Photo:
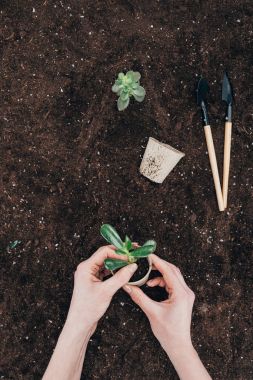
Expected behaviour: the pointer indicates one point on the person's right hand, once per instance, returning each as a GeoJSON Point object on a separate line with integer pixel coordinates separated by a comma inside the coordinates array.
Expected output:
{"type": "Point", "coordinates": [170, 320]}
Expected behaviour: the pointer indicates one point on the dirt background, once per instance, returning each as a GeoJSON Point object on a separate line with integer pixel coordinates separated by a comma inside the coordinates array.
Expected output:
{"type": "Point", "coordinates": [69, 161]}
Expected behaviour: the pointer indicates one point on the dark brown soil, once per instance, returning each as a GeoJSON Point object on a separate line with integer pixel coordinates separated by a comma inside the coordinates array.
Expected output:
{"type": "Point", "coordinates": [69, 162]}
{"type": "Point", "coordinates": [141, 271]}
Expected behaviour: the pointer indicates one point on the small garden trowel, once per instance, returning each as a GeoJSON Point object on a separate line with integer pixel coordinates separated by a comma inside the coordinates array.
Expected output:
{"type": "Point", "coordinates": [202, 91]}
{"type": "Point", "coordinates": [227, 96]}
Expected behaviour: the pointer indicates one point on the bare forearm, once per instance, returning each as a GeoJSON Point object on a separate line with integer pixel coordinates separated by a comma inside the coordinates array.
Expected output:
{"type": "Point", "coordinates": [90, 300]}
{"type": "Point", "coordinates": [67, 360]}
{"type": "Point", "coordinates": [188, 364]}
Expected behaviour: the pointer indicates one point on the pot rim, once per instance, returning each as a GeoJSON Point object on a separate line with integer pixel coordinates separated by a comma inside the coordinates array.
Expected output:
{"type": "Point", "coordinates": [167, 146]}
{"type": "Point", "coordinates": [144, 279]}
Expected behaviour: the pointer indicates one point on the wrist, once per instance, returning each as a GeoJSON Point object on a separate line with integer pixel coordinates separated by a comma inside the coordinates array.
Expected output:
{"type": "Point", "coordinates": [68, 356]}
{"type": "Point", "coordinates": [177, 346]}
{"type": "Point", "coordinates": [78, 325]}
{"type": "Point", "coordinates": [187, 363]}
{"type": "Point", "coordinates": [182, 352]}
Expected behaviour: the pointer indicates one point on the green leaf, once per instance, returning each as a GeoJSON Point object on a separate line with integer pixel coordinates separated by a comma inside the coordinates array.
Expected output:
{"type": "Point", "coordinates": [128, 81]}
{"type": "Point", "coordinates": [121, 251]}
{"type": "Point", "coordinates": [124, 96]}
{"type": "Point", "coordinates": [130, 75]}
{"type": "Point", "coordinates": [150, 242]}
{"type": "Point", "coordinates": [143, 251]}
{"type": "Point", "coordinates": [14, 244]}
{"type": "Point", "coordinates": [128, 243]}
{"type": "Point", "coordinates": [139, 98]}
{"type": "Point", "coordinates": [122, 104]}
{"type": "Point", "coordinates": [136, 76]}
{"type": "Point", "coordinates": [115, 88]}
{"type": "Point", "coordinates": [139, 91]}
{"type": "Point", "coordinates": [135, 85]}
{"type": "Point", "coordinates": [110, 234]}
{"type": "Point", "coordinates": [121, 76]}
{"type": "Point", "coordinates": [113, 264]}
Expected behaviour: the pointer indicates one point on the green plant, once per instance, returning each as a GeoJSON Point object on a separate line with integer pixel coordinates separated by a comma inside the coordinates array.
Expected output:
{"type": "Point", "coordinates": [124, 248]}
{"type": "Point", "coordinates": [127, 85]}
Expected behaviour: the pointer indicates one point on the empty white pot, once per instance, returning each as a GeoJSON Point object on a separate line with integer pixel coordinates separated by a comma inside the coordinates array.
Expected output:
{"type": "Point", "coordinates": [158, 160]}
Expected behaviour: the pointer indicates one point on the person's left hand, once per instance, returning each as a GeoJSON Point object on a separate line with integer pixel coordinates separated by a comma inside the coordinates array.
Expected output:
{"type": "Point", "coordinates": [92, 296]}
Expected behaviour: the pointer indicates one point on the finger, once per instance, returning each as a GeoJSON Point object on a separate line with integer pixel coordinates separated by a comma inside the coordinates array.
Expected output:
{"type": "Point", "coordinates": [140, 298]}
{"type": "Point", "coordinates": [120, 278]}
{"type": "Point", "coordinates": [112, 247]}
{"type": "Point", "coordinates": [159, 264]}
{"type": "Point", "coordinates": [158, 281]}
{"type": "Point", "coordinates": [106, 252]}
{"type": "Point", "coordinates": [180, 276]}
{"type": "Point", "coordinates": [170, 277]}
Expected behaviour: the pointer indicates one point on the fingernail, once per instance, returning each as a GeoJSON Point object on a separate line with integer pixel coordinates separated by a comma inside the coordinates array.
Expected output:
{"type": "Point", "coordinates": [133, 267]}
{"type": "Point", "coordinates": [127, 288]}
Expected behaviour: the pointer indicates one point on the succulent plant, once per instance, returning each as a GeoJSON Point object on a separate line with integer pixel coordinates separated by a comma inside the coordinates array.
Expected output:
{"type": "Point", "coordinates": [127, 85]}
{"type": "Point", "coordinates": [124, 248]}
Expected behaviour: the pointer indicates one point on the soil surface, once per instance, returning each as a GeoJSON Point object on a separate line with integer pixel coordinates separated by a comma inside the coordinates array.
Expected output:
{"type": "Point", "coordinates": [142, 270]}
{"type": "Point", "coordinates": [70, 162]}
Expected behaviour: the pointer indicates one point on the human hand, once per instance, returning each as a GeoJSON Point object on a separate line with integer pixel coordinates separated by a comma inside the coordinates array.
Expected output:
{"type": "Point", "coordinates": [92, 296]}
{"type": "Point", "coordinates": [170, 320]}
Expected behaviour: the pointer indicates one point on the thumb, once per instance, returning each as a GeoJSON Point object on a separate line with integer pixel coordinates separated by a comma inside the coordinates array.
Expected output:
{"type": "Point", "coordinates": [121, 278]}
{"type": "Point", "coordinates": [140, 298]}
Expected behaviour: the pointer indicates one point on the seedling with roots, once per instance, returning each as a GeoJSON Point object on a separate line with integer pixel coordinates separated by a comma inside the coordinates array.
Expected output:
{"type": "Point", "coordinates": [126, 86]}
{"type": "Point", "coordinates": [125, 248]}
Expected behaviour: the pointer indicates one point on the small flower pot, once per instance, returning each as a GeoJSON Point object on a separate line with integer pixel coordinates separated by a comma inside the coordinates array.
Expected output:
{"type": "Point", "coordinates": [159, 159]}
{"type": "Point", "coordinates": [144, 279]}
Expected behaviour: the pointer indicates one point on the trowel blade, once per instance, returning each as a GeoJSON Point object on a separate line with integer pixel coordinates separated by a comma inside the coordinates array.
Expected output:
{"type": "Point", "coordinates": [227, 94]}
{"type": "Point", "coordinates": [202, 91]}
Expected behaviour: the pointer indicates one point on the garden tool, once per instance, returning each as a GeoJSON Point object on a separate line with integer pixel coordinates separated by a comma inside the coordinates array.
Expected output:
{"type": "Point", "coordinates": [202, 91]}
{"type": "Point", "coordinates": [227, 96]}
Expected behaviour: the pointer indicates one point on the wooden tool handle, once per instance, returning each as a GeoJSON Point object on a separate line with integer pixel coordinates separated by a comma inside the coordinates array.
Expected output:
{"type": "Point", "coordinates": [214, 166]}
{"type": "Point", "coordinates": [226, 161]}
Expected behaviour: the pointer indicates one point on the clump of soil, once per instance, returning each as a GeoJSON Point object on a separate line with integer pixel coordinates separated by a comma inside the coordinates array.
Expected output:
{"type": "Point", "coordinates": [70, 162]}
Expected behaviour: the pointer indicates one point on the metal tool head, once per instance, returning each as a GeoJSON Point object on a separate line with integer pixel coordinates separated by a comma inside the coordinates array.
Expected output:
{"type": "Point", "coordinates": [227, 92]}
{"type": "Point", "coordinates": [202, 91]}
